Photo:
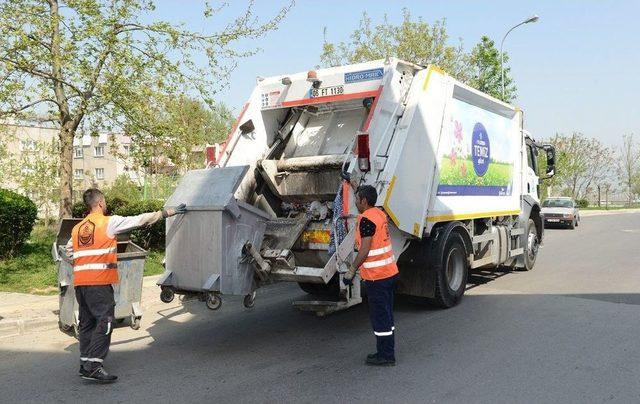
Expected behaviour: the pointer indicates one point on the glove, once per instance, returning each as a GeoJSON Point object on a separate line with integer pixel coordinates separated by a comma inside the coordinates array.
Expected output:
{"type": "Point", "coordinates": [181, 209]}
{"type": "Point", "coordinates": [347, 279]}
{"type": "Point", "coordinates": [178, 210]}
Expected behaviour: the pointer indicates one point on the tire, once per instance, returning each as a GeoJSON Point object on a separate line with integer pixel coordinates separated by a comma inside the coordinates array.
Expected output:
{"type": "Point", "coordinates": [64, 327]}
{"type": "Point", "coordinates": [573, 224]}
{"type": "Point", "coordinates": [167, 295]}
{"type": "Point", "coordinates": [451, 272]}
{"type": "Point", "coordinates": [135, 323]}
{"type": "Point", "coordinates": [578, 221]}
{"type": "Point", "coordinates": [532, 246]}
{"type": "Point", "coordinates": [249, 300]}
{"type": "Point", "coordinates": [213, 301]}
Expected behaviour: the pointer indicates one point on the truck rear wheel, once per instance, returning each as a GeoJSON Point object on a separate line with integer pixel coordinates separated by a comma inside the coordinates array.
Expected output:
{"type": "Point", "coordinates": [451, 272]}
{"type": "Point", "coordinates": [533, 244]}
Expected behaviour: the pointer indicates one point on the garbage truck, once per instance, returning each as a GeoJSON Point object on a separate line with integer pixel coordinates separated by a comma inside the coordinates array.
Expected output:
{"type": "Point", "coordinates": [455, 170]}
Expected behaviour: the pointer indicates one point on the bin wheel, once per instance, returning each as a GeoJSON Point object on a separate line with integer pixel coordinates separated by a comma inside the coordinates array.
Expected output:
{"type": "Point", "coordinates": [167, 295]}
{"type": "Point", "coordinates": [135, 323]}
{"type": "Point", "coordinates": [249, 300]}
{"type": "Point", "coordinates": [70, 330]}
{"type": "Point", "coordinates": [213, 301]}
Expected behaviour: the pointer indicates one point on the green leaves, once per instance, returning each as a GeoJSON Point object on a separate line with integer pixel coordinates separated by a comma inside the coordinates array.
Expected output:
{"type": "Point", "coordinates": [94, 62]}
{"type": "Point", "coordinates": [17, 216]}
{"type": "Point", "coordinates": [486, 74]}
{"type": "Point", "coordinates": [582, 163]}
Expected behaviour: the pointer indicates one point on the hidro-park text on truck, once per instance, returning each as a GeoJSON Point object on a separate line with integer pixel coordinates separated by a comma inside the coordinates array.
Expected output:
{"type": "Point", "coordinates": [454, 169]}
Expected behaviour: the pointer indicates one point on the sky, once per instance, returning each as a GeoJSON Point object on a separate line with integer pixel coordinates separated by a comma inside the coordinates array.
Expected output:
{"type": "Point", "coordinates": [576, 69]}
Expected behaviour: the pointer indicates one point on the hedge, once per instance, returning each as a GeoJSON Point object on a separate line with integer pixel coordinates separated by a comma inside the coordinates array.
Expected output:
{"type": "Point", "coordinates": [17, 216]}
{"type": "Point", "coordinates": [147, 237]}
{"type": "Point", "coordinates": [582, 203]}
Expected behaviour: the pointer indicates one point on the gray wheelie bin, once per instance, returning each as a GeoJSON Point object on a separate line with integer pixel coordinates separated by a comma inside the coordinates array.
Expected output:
{"type": "Point", "coordinates": [205, 247]}
{"type": "Point", "coordinates": [127, 293]}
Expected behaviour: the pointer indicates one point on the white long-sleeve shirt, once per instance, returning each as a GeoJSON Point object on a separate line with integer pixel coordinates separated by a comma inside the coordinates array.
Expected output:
{"type": "Point", "coordinates": [123, 224]}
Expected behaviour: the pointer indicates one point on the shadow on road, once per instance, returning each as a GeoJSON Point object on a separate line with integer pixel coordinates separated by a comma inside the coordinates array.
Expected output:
{"type": "Point", "coordinates": [276, 353]}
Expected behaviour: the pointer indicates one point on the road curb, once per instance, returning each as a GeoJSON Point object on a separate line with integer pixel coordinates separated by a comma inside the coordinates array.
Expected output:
{"type": "Point", "coordinates": [13, 328]}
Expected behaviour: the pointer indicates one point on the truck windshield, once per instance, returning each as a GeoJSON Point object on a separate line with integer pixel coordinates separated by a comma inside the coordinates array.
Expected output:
{"type": "Point", "coordinates": [557, 203]}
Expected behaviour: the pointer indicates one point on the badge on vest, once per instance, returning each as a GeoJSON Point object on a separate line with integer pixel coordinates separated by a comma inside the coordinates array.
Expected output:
{"type": "Point", "coordinates": [85, 234]}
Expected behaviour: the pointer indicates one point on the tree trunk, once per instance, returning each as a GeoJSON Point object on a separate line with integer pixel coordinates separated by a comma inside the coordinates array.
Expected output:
{"type": "Point", "coordinates": [67, 132]}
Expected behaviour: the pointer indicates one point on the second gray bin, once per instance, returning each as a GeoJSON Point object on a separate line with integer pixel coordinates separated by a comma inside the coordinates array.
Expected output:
{"type": "Point", "coordinates": [127, 293]}
{"type": "Point", "coordinates": [204, 247]}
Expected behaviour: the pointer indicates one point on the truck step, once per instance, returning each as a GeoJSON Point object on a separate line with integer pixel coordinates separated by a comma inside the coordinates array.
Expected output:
{"type": "Point", "coordinates": [302, 274]}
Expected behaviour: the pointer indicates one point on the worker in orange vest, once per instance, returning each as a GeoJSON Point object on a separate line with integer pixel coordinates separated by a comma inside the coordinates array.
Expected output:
{"type": "Point", "coordinates": [379, 271]}
{"type": "Point", "coordinates": [94, 246]}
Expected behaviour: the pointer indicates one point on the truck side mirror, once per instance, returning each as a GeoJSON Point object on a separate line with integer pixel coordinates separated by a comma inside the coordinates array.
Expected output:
{"type": "Point", "coordinates": [551, 159]}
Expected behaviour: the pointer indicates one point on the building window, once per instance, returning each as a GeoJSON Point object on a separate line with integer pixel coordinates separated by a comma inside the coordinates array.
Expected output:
{"type": "Point", "coordinates": [98, 151]}
{"type": "Point", "coordinates": [99, 173]}
{"type": "Point", "coordinates": [78, 153]}
{"type": "Point", "coordinates": [78, 174]}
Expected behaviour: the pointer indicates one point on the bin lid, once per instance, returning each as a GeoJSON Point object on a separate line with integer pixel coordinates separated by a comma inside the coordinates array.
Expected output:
{"type": "Point", "coordinates": [66, 226]}
{"type": "Point", "coordinates": [210, 188]}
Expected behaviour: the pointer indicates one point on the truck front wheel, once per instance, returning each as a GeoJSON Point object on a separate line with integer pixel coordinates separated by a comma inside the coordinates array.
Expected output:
{"type": "Point", "coordinates": [452, 272]}
{"type": "Point", "coordinates": [533, 244]}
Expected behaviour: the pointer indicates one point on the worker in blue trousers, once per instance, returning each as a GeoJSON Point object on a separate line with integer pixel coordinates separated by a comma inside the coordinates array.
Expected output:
{"type": "Point", "coordinates": [378, 269]}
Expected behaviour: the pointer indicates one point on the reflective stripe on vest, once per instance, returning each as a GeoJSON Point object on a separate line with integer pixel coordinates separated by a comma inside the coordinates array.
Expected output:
{"type": "Point", "coordinates": [88, 253]}
{"type": "Point", "coordinates": [380, 261]}
{"type": "Point", "coordinates": [94, 252]}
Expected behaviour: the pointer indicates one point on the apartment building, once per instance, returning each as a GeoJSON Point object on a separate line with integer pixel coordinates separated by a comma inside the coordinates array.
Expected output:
{"type": "Point", "coordinates": [99, 160]}
{"type": "Point", "coordinates": [28, 142]}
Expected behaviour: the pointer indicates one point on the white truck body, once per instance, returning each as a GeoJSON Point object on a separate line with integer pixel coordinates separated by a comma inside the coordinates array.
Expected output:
{"type": "Point", "coordinates": [446, 160]}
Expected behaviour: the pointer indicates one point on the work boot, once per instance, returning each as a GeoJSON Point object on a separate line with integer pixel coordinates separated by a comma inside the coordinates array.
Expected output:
{"type": "Point", "coordinates": [100, 375]}
{"type": "Point", "coordinates": [378, 361]}
{"type": "Point", "coordinates": [82, 372]}
{"type": "Point", "coordinates": [372, 355]}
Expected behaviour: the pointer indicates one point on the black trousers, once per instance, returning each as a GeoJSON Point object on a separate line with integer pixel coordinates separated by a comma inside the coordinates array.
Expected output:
{"type": "Point", "coordinates": [380, 297]}
{"type": "Point", "coordinates": [96, 323]}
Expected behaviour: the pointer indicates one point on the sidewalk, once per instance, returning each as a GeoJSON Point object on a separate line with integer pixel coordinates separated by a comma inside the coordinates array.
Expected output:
{"type": "Point", "coordinates": [584, 213]}
{"type": "Point", "coordinates": [21, 312]}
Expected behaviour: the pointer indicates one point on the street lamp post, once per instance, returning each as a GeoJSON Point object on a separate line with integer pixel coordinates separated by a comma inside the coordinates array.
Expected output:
{"type": "Point", "coordinates": [533, 18]}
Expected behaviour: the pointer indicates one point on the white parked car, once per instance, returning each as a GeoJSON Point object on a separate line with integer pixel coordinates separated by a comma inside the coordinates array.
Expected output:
{"type": "Point", "coordinates": [561, 211]}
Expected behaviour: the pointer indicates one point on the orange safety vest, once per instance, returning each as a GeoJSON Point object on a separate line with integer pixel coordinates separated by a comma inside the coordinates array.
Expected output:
{"type": "Point", "coordinates": [95, 255]}
{"type": "Point", "coordinates": [380, 263]}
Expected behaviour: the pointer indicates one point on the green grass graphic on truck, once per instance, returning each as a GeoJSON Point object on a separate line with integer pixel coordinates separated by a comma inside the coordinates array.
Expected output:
{"type": "Point", "coordinates": [460, 172]}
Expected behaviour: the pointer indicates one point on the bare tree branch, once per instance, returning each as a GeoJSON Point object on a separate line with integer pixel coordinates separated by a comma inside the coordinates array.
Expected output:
{"type": "Point", "coordinates": [27, 106]}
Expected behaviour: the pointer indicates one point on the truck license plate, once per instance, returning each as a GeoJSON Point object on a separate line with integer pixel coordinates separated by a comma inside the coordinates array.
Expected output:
{"type": "Point", "coordinates": [553, 220]}
{"type": "Point", "coordinates": [327, 91]}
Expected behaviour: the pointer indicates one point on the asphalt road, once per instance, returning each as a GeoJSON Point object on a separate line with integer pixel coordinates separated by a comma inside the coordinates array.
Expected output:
{"type": "Point", "coordinates": [567, 331]}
